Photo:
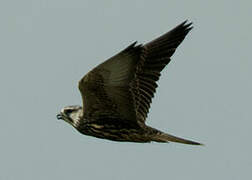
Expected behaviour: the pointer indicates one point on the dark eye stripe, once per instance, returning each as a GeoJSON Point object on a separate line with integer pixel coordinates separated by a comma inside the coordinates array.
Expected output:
{"type": "Point", "coordinates": [68, 111]}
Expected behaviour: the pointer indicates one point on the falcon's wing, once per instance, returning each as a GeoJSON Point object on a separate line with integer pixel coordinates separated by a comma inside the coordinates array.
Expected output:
{"type": "Point", "coordinates": [124, 85]}
{"type": "Point", "coordinates": [106, 89]}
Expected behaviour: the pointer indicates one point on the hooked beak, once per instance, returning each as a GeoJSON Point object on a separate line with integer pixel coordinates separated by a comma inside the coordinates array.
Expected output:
{"type": "Point", "coordinates": [59, 116]}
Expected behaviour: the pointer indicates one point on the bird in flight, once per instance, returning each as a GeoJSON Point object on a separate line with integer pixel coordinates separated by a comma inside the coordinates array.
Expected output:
{"type": "Point", "coordinates": [117, 94]}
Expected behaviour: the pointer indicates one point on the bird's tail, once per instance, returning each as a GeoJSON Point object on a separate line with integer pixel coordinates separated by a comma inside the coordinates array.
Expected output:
{"type": "Point", "coordinates": [164, 137]}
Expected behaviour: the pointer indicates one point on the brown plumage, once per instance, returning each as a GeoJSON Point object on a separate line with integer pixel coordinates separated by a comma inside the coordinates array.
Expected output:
{"type": "Point", "coordinates": [117, 93]}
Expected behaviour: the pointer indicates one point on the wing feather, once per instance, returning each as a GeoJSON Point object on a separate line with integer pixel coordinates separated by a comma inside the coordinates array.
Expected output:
{"type": "Point", "coordinates": [105, 89]}
{"type": "Point", "coordinates": [124, 85]}
{"type": "Point", "coordinates": [154, 57]}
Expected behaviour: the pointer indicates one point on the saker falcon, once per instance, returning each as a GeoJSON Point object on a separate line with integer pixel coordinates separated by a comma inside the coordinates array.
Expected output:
{"type": "Point", "coordinates": [117, 94]}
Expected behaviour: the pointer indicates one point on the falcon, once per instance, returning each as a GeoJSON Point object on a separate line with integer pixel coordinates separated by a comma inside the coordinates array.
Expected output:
{"type": "Point", "coordinates": [116, 95]}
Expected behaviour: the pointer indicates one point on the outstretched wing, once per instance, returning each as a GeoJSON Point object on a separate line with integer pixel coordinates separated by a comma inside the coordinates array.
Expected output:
{"type": "Point", "coordinates": [124, 85]}
{"type": "Point", "coordinates": [105, 89]}
{"type": "Point", "coordinates": [154, 57]}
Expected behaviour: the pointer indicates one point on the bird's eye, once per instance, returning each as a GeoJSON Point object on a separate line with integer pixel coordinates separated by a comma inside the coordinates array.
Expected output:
{"type": "Point", "coordinates": [68, 111]}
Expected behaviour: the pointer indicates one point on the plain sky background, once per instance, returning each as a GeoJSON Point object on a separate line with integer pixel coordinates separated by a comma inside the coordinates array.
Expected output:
{"type": "Point", "coordinates": [46, 46]}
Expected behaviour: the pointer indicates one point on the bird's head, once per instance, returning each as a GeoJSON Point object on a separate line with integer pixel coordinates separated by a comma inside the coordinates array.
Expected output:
{"type": "Point", "coordinates": [70, 114]}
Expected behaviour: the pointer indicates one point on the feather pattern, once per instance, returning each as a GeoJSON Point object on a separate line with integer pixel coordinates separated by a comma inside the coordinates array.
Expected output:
{"type": "Point", "coordinates": [117, 94]}
{"type": "Point", "coordinates": [123, 86]}
{"type": "Point", "coordinates": [154, 57]}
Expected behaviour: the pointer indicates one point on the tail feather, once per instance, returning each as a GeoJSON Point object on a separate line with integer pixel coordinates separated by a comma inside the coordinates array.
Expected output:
{"type": "Point", "coordinates": [164, 137]}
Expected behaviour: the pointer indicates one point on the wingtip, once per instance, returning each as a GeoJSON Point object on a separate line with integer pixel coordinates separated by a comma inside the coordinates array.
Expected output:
{"type": "Point", "coordinates": [185, 25]}
{"type": "Point", "coordinates": [188, 25]}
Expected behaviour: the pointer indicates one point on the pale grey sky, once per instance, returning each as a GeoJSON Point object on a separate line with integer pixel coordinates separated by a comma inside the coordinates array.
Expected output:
{"type": "Point", "coordinates": [204, 94]}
